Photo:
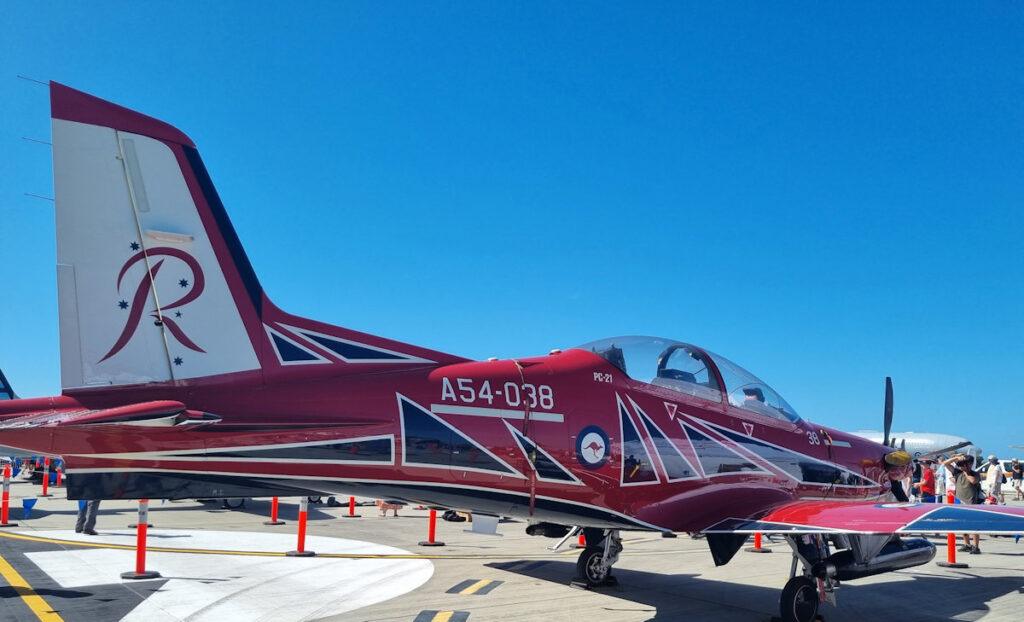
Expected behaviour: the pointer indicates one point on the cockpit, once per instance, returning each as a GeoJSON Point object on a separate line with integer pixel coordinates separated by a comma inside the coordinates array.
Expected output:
{"type": "Point", "coordinates": [694, 371]}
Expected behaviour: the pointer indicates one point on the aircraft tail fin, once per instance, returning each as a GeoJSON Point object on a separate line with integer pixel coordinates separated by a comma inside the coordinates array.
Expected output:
{"type": "Point", "coordinates": [153, 283]}
{"type": "Point", "coordinates": [6, 392]}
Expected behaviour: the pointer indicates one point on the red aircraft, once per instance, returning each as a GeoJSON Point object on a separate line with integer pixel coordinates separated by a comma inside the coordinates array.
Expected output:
{"type": "Point", "coordinates": [182, 380]}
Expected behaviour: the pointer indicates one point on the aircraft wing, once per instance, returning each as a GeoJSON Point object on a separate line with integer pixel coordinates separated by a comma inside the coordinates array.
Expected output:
{"type": "Point", "coordinates": [879, 518]}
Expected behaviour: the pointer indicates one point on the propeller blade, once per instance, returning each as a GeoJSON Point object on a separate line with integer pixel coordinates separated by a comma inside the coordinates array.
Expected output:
{"type": "Point", "coordinates": [903, 445]}
{"type": "Point", "coordinates": [887, 417]}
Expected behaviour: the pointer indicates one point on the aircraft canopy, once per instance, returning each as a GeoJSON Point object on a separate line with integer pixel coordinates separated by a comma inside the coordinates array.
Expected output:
{"type": "Point", "coordinates": [688, 369]}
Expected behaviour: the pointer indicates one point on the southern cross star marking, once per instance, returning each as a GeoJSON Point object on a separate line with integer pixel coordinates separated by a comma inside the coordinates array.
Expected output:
{"type": "Point", "coordinates": [183, 282]}
{"type": "Point", "coordinates": [177, 360]}
{"type": "Point", "coordinates": [123, 304]}
{"type": "Point", "coordinates": [177, 314]}
{"type": "Point", "coordinates": [135, 246]}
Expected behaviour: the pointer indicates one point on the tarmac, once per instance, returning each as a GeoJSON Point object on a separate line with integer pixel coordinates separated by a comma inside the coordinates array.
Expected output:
{"type": "Point", "coordinates": [221, 564]}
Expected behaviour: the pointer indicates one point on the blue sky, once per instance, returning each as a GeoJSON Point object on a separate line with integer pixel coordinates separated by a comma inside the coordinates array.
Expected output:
{"type": "Point", "coordinates": [825, 194]}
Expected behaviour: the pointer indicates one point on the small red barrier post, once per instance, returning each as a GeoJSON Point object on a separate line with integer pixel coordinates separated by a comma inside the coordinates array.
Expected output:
{"type": "Point", "coordinates": [951, 542]}
{"type": "Point", "coordinates": [4, 508]}
{"type": "Point", "coordinates": [300, 550]}
{"type": "Point", "coordinates": [273, 514]}
{"type": "Point", "coordinates": [757, 548]}
{"type": "Point", "coordinates": [581, 543]}
{"type": "Point", "coordinates": [46, 477]}
{"type": "Point", "coordinates": [431, 531]}
{"type": "Point", "coordinates": [60, 476]}
{"type": "Point", "coordinates": [351, 509]}
{"type": "Point", "coordinates": [140, 547]}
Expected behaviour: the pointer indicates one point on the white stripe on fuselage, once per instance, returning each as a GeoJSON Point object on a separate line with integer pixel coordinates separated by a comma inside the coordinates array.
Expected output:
{"type": "Point", "coordinates": [500, 413]}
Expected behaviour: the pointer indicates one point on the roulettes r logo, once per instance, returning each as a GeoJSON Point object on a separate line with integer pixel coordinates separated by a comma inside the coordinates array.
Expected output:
{"type": "Point", "coordinates": [592, 447]}
{"type": "Point", "coordinates": [142, 293]}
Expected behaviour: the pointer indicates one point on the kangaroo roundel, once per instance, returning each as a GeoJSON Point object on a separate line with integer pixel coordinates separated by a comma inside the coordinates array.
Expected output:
{"type": "Point", "coordinates": [592, 447]}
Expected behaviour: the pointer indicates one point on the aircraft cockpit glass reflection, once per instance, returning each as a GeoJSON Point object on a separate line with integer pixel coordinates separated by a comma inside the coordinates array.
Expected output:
{"type": "Point", "coordinates": [687, 369]}
{"type": "Point", "coordinates": [662, 362]}
{"type": "Point", "coordinates": [748, 392]}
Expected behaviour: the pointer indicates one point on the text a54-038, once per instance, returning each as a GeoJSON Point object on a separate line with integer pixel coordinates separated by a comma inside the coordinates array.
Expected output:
{"type": "Point", "coordinates": [512, 394]}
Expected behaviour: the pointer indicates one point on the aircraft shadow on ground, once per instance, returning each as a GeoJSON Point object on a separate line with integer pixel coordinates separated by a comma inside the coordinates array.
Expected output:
{"type": "Point", "coordinates": [18, 592]}
{"type": "Point", "coordinates": [692, 596]}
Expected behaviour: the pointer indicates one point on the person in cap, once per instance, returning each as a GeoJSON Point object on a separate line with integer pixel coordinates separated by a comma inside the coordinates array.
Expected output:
{"type": "Point", "coordinates": [994, 480]}
{"type": "Point", "coordinates": [967, 483]}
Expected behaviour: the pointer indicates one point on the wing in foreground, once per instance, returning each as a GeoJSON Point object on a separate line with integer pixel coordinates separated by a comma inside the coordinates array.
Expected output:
{"type": "Point", "coordinates": [879, 518]}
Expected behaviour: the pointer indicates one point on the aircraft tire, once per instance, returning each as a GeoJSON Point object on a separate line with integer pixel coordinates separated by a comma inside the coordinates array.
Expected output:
{"type": "Point", "coordinates": [589, 567]}
{"type": "Point", "coordinates": [799, 601]}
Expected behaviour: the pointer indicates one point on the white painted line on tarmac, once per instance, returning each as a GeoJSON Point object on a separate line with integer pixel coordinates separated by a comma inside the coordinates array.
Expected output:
{"type": "Point", "coordinates": [239, 587]}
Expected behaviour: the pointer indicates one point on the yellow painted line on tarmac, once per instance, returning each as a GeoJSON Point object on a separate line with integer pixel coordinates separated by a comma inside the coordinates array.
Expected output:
{"type": "Point", "coordinates": [443, 616]}
{"type": "Point", "coordinates": [473, 589]}
{"type": "Point", "coordinates": [639, 540]}
{"type": "Point", "coordinates": [34, 601]}
{"type": "Point", "coordinates": [161, 549]}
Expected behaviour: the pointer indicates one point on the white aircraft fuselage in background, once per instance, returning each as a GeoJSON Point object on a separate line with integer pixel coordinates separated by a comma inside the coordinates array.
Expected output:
{"type": "Point", "coordinates": [919, 444]}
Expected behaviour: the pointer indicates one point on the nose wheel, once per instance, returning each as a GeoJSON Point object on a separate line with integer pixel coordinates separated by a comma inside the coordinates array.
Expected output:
{"type": "Point", "coordinates": [799, 601]}
{"type": "Point", "coordinates": [594, 565]}
{"type": "Point", "coordinates": [591, 567]}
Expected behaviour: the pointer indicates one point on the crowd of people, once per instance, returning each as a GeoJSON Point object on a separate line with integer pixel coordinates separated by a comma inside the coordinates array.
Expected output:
{"type": "Point", "coordinates": [933, 480]}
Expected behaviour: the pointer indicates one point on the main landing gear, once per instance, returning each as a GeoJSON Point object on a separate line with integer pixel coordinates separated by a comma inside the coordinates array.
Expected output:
{"type": "Point", "coordinates": [594, 566]}
{"type": "Point", "coordinates": [799, 601]}
{"type": "Point", "coordinates": [856, 556]}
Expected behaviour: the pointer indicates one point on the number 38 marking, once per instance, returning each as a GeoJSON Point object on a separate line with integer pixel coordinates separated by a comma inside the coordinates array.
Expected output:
{"type": "Point", "coordinates": [812, 438]}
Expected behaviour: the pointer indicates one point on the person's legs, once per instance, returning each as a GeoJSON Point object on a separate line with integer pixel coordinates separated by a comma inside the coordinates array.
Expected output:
{"type": "Point", "coordinates": [91, 508]}
{"type": "Point", "coordinates": [967, 544]}
{"type": "Point", "coordinates": [80, 523]}
{"type": "Point", "coordinates": [976, 549]}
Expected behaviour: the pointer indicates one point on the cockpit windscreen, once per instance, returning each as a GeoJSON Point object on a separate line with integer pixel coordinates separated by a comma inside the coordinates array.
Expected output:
{"type": "Point", "coordinates": [662, 362]}
{"type": "Point", "coordinates": [684, 368]}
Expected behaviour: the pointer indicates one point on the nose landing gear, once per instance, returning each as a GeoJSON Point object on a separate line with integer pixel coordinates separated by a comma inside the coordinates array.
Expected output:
{"type": "Point", "coordinates": [594, 565]}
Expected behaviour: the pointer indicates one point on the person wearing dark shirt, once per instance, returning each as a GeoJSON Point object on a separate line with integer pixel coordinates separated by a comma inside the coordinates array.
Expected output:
{"type": "Point", "coordinates": [967, 484]}
{"type": "Point", "coordinates": [1016, 478]}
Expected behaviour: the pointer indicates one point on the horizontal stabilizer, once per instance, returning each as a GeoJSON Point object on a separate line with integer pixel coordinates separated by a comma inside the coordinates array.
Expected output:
{"type": "Point", "coordinates": [156, 413]}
